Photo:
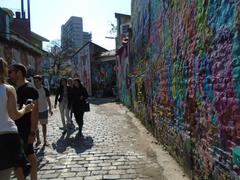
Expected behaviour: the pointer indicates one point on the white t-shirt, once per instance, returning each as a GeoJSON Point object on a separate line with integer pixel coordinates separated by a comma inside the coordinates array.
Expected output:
{"type": "Point", "coordinates": [42, 100]}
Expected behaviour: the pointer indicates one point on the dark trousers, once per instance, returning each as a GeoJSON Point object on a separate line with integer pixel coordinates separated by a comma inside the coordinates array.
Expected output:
{"type": "Point", "coordinates": [79, 119]}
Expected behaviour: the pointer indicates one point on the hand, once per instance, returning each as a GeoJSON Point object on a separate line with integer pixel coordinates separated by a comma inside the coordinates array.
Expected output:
{"type": "Point", "coordinates": [28, 108]}
{"type": "Point", "coordinates": [50, 112]}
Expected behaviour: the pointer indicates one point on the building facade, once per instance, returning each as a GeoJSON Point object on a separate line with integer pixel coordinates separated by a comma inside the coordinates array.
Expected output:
{"type": "Point", "coordinates": [17, 43]}
{"type": "Point", "coordinates": [103, 72]}
{"type": "Point", "coordinates": [82, 63]}
{"type": "Point", "coordinates": [122, 58]}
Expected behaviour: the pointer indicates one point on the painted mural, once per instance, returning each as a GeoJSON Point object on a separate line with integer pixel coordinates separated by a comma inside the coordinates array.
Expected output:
{"type": "Point", "coordinates": [103, 78]}
{"type": "Point", "coordinates": [123, 79]}
{"type": "Point", "coordinates": [185, 83]}
{"type": "Point", "coordinates": [81, 67]}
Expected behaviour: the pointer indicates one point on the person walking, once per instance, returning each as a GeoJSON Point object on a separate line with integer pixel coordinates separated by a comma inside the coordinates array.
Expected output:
{"type": "Point", "coordinates": [27, 124]}
{"type": "Point", "coordinates": [79, 96]}
{"type": "Point", "coordinates": [44, 107]}
{"type": "Point", "coordinates": [69, 110]}
{"type": "Point", "coordinates": [62, 98]}
{"type": "Point", "coordinates": [11, 149]}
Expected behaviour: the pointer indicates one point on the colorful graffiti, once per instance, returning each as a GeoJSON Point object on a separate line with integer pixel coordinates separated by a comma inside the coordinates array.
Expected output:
{"type": "Point", "coordinates": [103, 78]}
{"type": "Point", "coordinates": [185, 83]}
{"type": "Point", "coordinates": [81, 67]}
{"type": "Point", "coordinates": [123, 75]}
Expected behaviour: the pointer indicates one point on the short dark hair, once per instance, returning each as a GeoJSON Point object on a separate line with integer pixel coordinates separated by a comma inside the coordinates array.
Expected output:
{"type": "Point", "coordinates": [39, 77]}
{"type": "Point", "coordinates": [78, 80]}
{"type": "Point", "coordinates": [20, 67]}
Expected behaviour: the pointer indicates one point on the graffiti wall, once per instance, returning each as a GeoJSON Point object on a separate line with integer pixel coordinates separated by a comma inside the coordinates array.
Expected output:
{"type": "Point", "coordinates": [103, 78]}
{"type": "Point", "coordinates": [123, 79]}
{"type": "Point", "coordinates": [186, 81]}
{"type": "Point", "coordinates": [81, 67]}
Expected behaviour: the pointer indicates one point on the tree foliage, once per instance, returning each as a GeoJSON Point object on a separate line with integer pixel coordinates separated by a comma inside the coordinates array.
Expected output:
{"type": "Point", "coordinates": [60, 56]}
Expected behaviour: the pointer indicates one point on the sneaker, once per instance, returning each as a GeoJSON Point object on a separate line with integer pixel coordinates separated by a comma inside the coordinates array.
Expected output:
{"type": "Point", "coordinates": [46, 144]}
{"type": "Point", "coordinates": [80, 134]}
{"type": "Point", "coordinates": [37, 143]}
{"type": "Point", "coordinates": [26, 169]}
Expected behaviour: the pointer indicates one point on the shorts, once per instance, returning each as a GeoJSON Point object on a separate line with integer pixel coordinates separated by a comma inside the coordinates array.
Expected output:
{"type": "Point", "coordinates": [11, 151]}
{"type": "Point", "coordinates": [43, 117]}
{"type": "Point", "coordinates": [28, 148]}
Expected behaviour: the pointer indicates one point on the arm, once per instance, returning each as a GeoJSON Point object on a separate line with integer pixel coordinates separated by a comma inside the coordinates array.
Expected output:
{"type": "Point", "coordinates": [69, 97]}
{"type": "Point", "coordinates": [85, 93]}
{"type": "Point", "coordinates": [13, 112]}
{"type": "Point", "coordinates": [34, 122]}
{"type": "Point", "coordinates": [49, 105]}
{"type": "Point", "coordinates": [47, 93]}
{"type": "Point", "coordinates": [56, 97]}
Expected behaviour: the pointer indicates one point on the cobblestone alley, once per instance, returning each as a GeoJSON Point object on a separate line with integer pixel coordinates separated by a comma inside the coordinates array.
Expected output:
{"type": "Point", "coordinates": [115, 146]}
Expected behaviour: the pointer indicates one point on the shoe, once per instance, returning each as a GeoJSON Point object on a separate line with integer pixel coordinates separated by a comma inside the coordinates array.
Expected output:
{"type": "Point", "coordinates": [80, 134]}
{"type": "Point", "coordinates": [69, 126]}
{"type": "Point", "coordinates": [26, 169]}
{"type": "Point", "coordinates": [45, 144]}
{"type": "Point", "coordinates": [37, 143]}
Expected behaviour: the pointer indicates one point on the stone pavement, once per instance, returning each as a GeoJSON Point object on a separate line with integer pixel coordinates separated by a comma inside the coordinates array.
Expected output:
{"type": "Point", "coordinates": [115, 146]}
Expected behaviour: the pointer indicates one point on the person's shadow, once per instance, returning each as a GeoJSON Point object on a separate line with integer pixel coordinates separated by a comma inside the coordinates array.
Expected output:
{"type": "Point", "coordinates": [40, 157]}
{"type": "Point", "coordinates": [80, 144]}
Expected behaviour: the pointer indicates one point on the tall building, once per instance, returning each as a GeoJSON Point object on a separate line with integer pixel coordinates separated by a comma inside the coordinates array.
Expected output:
{"type": "Point", "coordinates": [86, 37]}
{"type": "Point", "coordinates": [72, 34]}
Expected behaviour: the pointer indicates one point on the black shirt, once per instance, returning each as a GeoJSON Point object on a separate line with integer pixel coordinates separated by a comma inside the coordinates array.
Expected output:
{"type": "Point", "coordinates": [24, 92]}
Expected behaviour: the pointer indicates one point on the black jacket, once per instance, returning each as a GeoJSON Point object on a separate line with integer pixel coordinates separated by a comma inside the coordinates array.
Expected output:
{"type": "Point", "coordinates": [70, 89]}
{"type": "Point", "coordinates": [77, 103]}
{"type": "Point", "coordinates": [59, 94]}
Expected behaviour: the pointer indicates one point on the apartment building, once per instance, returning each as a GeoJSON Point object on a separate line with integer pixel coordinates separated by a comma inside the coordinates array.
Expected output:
{"type": "Point", "coordinates": [72, 34]}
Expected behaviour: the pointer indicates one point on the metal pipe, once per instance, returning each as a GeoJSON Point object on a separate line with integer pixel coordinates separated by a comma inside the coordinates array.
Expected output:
{"type": "Point", "coordinates": [22, 8]}
{"type": "Point", "coordinates": [28, 3]}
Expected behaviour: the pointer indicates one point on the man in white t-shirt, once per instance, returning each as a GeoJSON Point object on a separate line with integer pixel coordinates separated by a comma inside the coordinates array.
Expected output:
{"type": "Point", "coordinates": [44, 106]}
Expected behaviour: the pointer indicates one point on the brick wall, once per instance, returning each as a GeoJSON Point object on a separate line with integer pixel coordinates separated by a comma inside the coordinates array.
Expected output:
{"type": "Point", "coordinates": [185, 82]}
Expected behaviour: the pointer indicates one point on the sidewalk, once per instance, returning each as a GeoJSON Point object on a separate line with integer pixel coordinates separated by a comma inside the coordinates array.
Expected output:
{"type": "Point", "coordinates": [115, 146]}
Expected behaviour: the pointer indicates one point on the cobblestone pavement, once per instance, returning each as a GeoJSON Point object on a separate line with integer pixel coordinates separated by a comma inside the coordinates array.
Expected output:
{"type": "Point", "coordinates": [113, 147]}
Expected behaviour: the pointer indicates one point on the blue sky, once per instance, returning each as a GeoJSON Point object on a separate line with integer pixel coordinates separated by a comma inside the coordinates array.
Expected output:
{"type": "Point", "coordinates": [47, 16]}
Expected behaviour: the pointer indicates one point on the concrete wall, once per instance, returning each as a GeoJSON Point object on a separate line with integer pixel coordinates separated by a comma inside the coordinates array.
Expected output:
{"type": "Point", "coordinates": [185, 81]}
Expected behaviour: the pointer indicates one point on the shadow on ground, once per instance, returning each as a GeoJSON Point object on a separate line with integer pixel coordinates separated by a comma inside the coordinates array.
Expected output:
{"type": "Point", "coordinates": [99, 101]}
{"type": "Point", "coordinates": [40, 156]}
{"type": "Point", "coordinates": [80, 144]}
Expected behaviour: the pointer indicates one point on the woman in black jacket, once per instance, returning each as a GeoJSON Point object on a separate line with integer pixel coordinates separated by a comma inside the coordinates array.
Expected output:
{"type": "Point", "coordinates": [79, 96]}
{"type": "Point", "coordinates": [62, 98]}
